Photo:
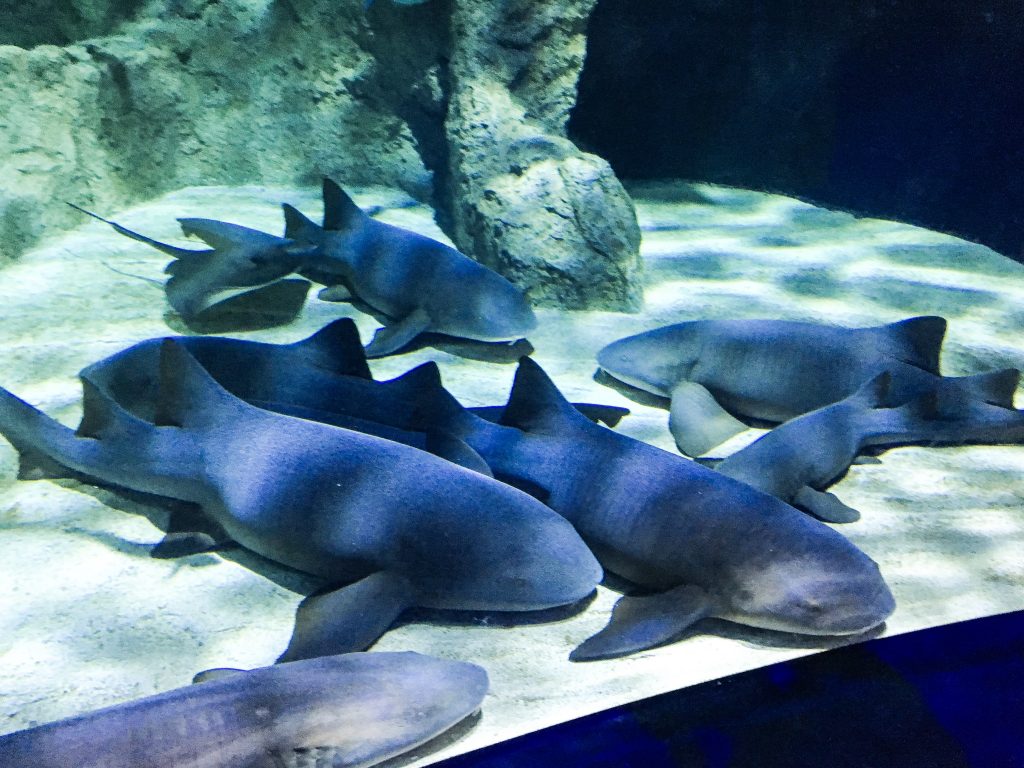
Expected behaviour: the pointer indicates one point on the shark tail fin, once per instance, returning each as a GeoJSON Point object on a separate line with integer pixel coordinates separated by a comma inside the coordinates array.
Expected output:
{"type": "Point", "coordinates": [995, 388]}
{"type": "Point", "coordinates": [874, 392]}
{"type": "Point", "coordinates": [337, 348]}
{"type": "Point", "coordinates": [916, 340]}
{"type": "Point", "coordinates": [340, 210]}
{"type": "Point", "coordinates": [189, 396]}
{"type": "Point", "coordinates": [299, 227]}
{"type": "Point", "coordinates": [170, 250]}
{"type": "Point", "coordinates": [536, 405]}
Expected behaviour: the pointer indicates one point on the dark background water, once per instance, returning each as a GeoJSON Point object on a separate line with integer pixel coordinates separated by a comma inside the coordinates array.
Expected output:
{"type": "Point", "coordinates": [946, 697]}
{"type": "Point", "coordinates": [905, 109]}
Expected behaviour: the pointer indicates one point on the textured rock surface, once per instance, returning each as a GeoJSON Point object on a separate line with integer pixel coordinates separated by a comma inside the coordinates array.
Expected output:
{"type": "Point", "coordinates": [188, 93]}
{"type": "Point", "coordinates": [524, 200]}
{"type": "Point", "coordinates": [88, 618]}
{"type": "Point", "coordinates": [144, 98]}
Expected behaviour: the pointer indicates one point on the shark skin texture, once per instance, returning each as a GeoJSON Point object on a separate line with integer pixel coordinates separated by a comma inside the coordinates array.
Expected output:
{"type": "Point", "coordinates": [389, 526]}
{"type": "Point", "coordinates": [700, 543]}
{"type": "Point", "coordinates": [355, 709]}
{"type": "Point", "coordinates": [418, 284]}
{"type": "Point", "coordinates": [715, 371]}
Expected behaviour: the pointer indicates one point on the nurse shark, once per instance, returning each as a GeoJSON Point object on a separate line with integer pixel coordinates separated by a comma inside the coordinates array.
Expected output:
{"type": "Point", "coordinates": [703, 544]}
{"type": "Point", "coordinates": [798, 459]}
{"type": "Point", "coordinates": [777, 369]}
{"type": "Point", "coordinates": [239, 257]}
{"type": "Point", "coordinates": [356, 709]}
{"type": "Point", "coordinates": [387, 525]}
{"type": "Point", "coordinates": [419, 284]}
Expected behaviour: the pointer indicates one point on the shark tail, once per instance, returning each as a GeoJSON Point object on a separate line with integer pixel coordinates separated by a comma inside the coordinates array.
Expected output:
{"type": "Point", "coordinates": [43, 441]}
{"type": "Point", "coordinates": [170, 250]}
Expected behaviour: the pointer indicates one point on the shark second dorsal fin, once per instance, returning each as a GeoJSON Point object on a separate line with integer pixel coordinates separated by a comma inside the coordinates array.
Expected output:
{"type": "Point", "coordinates": [916, 340]}
{"type": "Point", "coordinates": [188, 395]}
{"type": "Point", "coordinates": [996, 388]}
{"type": "Point", "coordinates": [337, 348]}
{"type": "Point", "coordinates": [299, 227]}
{"type": "Point", "coordinates": [340, 210]}
{"type": "Point", "coordinates": [536, 405]}
{"type": "Point", "coordinates": [873, 392]}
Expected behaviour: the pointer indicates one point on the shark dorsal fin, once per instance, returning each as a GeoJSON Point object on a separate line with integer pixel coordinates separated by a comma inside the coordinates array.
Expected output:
{"type": "Point", "coordinates": [299, 227]}
{"type": "Point", "coordinates": [340, 210]}
{"type": "Point", "coordinates": [101, 415]}
{"type": "Point", "coordinates": [917, 340]}
{"type": "Point", "coordinates": [873, 392]}
{"type": "Point", "coordinates": [189, 396]}
{"type": "Point", "coordinates": [996, 387]}
{"type": "Point", "coordinates": [536, 405]}
{"type": "Point", "coordinates": [337, 348]}
{"type": "Point", "coordinates": [422, 378]}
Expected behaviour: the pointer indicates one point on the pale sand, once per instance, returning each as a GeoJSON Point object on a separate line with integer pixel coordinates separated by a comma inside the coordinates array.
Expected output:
{"type": "Point", "coordinates": [88, 619]}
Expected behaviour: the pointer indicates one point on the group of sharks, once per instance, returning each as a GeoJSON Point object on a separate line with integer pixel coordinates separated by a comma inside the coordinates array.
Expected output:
{"type": "Point", "coordinates": [397, 496]}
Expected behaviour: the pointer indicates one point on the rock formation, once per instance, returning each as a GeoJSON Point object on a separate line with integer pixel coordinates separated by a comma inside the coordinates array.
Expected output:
{"type": "Point", "coordinates": [464, 101]}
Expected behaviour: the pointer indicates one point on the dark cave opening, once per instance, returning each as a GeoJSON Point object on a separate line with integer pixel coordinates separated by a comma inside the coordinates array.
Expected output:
{"type": "Point", "coordinates": [903, 109]}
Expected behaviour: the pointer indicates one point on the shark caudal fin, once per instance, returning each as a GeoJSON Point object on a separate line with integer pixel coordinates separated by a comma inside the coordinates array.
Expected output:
{"type": "Point", "coordinates": [916, 341]}
{"type": "Point", "coordinates": [170, 250]}
{"type": "Point", "coordinates": [340, 210]}
{"type": "Point", "coordinates": [535, 404]}
{"type": "Point", "coordinates": [188, 395]}
{"type": "Point", "coordinates": [337, 348]}
{"type": "Point", "coordinates": [299, 227]}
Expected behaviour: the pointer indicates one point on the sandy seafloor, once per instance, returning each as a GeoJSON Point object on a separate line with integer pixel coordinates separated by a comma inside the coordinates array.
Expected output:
{"type": "Point", "coordinates": [88, 619]}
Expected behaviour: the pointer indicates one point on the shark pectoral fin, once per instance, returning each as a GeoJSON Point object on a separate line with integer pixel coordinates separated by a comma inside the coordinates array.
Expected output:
{"type": "Point", "coordinates": [336, 293]}
{"type": "Point", "coordinates": [456, 451]}
{"type": "Point", "coordinates": [350, 618]}
{"type": "Point", "coordinates": [825, 506]}
{"type": "Point", "coordinates": [218, 673]}
{"type": "Point", "coordinates": [644, 622]}
{"type": "Point", "coordinates": [696, 420]}
{"type": "Point", "coordinates": [392, 338]}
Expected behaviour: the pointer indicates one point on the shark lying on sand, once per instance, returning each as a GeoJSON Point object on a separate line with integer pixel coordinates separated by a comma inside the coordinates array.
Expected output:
{"type": "Point", "coordinates": [777, 369]}
{"type": "Point", "coordinates": [703, 544]}
{"type": "Point", "coordinates": [356, 709]}
{"type": "Point", "coordinates": [420, 284]}
{"type": "Point", "coordinates": [294, 379]}
{"type": "Point", "coordinates": [238, 257]}
{"type": "Point", "coordinates": [798, 459]}
{"type": "Point", "coordinates": [398, 526]}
